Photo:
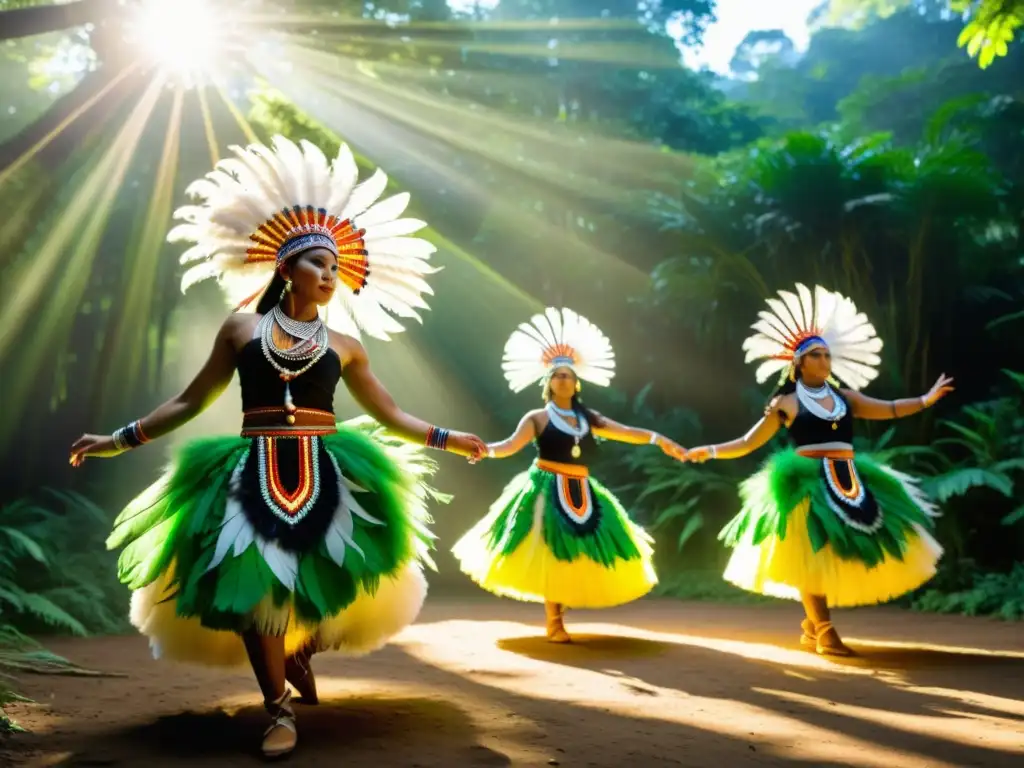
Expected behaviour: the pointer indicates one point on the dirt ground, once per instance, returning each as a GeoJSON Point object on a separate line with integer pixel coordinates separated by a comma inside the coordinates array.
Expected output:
{"type": "Point", "coordinates": [655, 683]}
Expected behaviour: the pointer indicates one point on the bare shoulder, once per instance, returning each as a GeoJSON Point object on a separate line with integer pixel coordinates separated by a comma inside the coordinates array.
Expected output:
{"type": "Point", "coordinates": [238, 328]}
{"type": "Point", "coordinates": [784, 406]}
{"type": "Point", "coordinates": [349, 348]}
{"type": "Point", "coordinates": [538, 417]}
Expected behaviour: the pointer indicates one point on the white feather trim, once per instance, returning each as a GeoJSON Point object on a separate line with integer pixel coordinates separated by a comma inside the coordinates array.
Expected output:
{"type": "Point", "coordinates": [795, 315]}
{"type": "Point", "coordinates": [243, 192]}
{"type": "Point", "coordinates": [523, 362]}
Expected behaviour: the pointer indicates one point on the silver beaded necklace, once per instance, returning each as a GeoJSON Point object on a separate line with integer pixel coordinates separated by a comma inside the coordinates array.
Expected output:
{"type": "Point", "coordinates": [809, 397]}
{"type": "Point", "coordinates": [314, 342]}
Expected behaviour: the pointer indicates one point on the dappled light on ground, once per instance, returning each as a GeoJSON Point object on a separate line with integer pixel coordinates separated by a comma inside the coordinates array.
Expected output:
{"type": "Point", "coordinates": [476, 683]}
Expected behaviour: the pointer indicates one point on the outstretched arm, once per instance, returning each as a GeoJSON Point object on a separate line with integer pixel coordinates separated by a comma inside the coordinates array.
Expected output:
{"type": "Point", "coordinates": [759, 434]}
{"type": "Point", "coordinates": [525, 432]}
{"type": "Point", "coordinates": [206, 387]}
{"type": "Point", "coordinates": [612, 430]}
{"type": "Point", "coordinates": [864, 407]}
{"type": "Point", "coordinates": [368, 391]}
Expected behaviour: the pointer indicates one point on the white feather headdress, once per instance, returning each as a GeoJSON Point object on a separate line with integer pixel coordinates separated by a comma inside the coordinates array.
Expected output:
{"type": "Point", "coordinates": [555, 339]}
{"type": "Point", "coordinates": [265, 204]}
{"type": "Point", "coordinates": [796, 323]}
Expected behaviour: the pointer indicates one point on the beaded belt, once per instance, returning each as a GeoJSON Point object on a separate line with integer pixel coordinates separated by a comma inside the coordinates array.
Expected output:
{"type": "Point", "coordinates": [569, 470]}
{"type": "Point", "coordinates": [280, 422]}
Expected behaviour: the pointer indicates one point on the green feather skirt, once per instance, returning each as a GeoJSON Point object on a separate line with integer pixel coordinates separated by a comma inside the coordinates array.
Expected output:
{"type": "Point", "coordinates": [201, 573]}
{"type": "Point", "coordinates": [552, 538]}
{"type": "Point", "coordinates": [791, 536]}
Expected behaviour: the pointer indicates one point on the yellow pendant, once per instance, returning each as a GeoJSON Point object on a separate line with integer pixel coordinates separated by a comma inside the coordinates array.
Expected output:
{"type": "Point", "coordinates": [835, 425]}
{"type": "Point", "coordinates": [576, 452]}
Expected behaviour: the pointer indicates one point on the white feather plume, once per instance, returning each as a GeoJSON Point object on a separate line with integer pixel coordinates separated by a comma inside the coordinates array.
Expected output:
{"type": "Point", "coordinates": [793, 317]}
{"type": "Point", "coordinates": [245, 191]}
{"type": "Point", "coordinates": [557, 333]}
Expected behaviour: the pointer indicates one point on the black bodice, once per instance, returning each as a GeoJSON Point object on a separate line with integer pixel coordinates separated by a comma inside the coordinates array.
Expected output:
{"type": "Point", "coordinates": [262, 386]}
{"type": "Point", "coordinates": [555, 445]}
{"type": "Point", "coordinates": [808, 429]}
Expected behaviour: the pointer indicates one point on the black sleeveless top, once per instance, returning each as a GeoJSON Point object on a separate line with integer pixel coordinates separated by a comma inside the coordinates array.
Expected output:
{"type": "Point", "coordinates": [262, 386]}
{"type": "Point", "coordinates": [808, 429]}
{"type": "Point", "coordinates": [555, 445]}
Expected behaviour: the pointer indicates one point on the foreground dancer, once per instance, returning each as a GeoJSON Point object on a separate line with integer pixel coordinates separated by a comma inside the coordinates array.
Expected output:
{"type": "Point", "coordinates": [818, 523]}
{"type": "Point", "coordinates": [300, 535]}
{"type": "Point", "coordinates": [556, 535]}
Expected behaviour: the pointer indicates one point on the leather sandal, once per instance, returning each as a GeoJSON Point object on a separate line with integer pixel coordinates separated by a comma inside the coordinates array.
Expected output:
{"type": "Point", "coordinates": [809, 638]}
{"type": "Point", "coordinates": [832, 649]}
{"type": "Point", "coordinates": [555, 624]}
{"type": "Point", "coordinates": [281, 736]}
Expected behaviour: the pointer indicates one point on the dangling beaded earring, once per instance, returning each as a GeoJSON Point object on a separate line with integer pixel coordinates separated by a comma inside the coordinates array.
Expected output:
{"type": "Point", "coordinates": [287, 288]}
{"type": "Point", "coordinates": [579, 387]}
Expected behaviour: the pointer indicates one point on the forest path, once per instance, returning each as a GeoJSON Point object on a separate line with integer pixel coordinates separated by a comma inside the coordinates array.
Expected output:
{"type": "Point", "coordinates": [655, 683]}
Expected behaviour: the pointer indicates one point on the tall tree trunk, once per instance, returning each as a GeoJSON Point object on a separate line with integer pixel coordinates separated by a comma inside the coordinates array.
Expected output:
{"type": "Point", "coordinates": [40, 19]}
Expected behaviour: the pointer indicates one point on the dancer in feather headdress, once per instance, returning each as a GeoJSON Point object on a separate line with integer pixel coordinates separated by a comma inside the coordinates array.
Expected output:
{"type": "Point", "coordinates": [556, 535]}
{"type": "Point", "coordinates": [301, 535]}
{"type": "Point", "coordinates": [818, 523]}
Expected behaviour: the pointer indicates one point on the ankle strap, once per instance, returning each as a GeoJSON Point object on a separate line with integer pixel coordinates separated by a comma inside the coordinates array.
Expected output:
{"type": "Point", "coordinates": [281, 706]}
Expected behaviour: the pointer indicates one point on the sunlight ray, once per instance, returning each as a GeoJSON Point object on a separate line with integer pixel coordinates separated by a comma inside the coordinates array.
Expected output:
{"type": "Point", "coordinates": [65, 260]}
{"type": "Point", "coordinates": [208, 129]}
{"type": "Point", "coordinates": [474, 127]}
{"type": "Point", "coordinates": [470, 649]}
{"type": "Point", "coordinates": [955, 726]}
{"type": "Point", "coordinates": [243, 124]}
{"type": "Point", "coordinates": [32, 151]}
{"type": "Point", "coordinates": [385, 144]}
{"type": "Point", "coordinates": [131, 332]}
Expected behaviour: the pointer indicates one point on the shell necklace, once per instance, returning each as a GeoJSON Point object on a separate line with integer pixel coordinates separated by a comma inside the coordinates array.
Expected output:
{"type": "Point", "coordinates": [557, 417]}
{"type": "Point", "coordinates": [313, 344]}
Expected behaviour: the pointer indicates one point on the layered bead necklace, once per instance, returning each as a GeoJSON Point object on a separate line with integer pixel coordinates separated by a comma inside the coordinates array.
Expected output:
{"type": "Point", "coordinates": [810, 399]}
{"type": "Point", "coordinates": [313, 344]}
{"type": "Point", "coordinates": [558, 417]}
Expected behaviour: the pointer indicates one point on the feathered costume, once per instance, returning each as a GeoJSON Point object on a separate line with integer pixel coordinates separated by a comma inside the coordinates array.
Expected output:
{"type": "Point", "coordinates": [300, 525]}
{"type": "Point", "coordinates": [556, 534]}
{"type": "Point", "coordinates": [817, 519]}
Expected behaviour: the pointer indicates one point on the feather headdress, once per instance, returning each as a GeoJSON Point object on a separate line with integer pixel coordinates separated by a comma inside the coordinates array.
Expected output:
{"type": "Point", "coordinates": [268, 203]}
{"type": "Point", "coordinates": [796, 323]}
{"type": "Point", "coordinates": [555, 339]}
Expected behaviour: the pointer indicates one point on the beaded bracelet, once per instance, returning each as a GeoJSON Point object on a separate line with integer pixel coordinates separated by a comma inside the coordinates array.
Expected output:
{"type": "Point", "coordinates": [437, 437]}
{"type": "Point", "coordinates": [130, 436]}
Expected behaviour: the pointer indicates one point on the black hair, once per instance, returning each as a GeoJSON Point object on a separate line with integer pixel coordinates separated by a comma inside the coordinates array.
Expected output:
{"type": "Point", "coordinates": [272, 296]}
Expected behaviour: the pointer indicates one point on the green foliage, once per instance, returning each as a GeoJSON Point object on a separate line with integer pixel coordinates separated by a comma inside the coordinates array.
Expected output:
{"type": "Point", "coordinates": [688, 584]}
{"type": "Point", "coordinates": [961, 587]}
{"type": "Point", "coordinates": [990, 27]}
{"type": "Point", "coordinates": [673, 500]}
{"type": "Point", "coordinates": [55, 576]}
{"type": "Point", "coordinates": [55, 572]}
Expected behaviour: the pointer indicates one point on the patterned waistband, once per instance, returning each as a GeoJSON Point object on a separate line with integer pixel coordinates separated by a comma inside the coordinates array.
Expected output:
{"type": "Point", "coordinates": [557, 468]}
{"type": "Point", "coordinates": [279, 422]}
{"type": "Point", "coordinates": [836, 454]}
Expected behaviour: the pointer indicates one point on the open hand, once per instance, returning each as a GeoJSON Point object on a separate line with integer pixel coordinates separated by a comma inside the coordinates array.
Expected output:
{"type": "Point", "coordinates": [99, 446]}
{"type": "Point", "coordinates": [671, 448]}
{"type": "Point", "coordinates": [941, 388]}
{"type": "Point", "coordinates": [465, 444]}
